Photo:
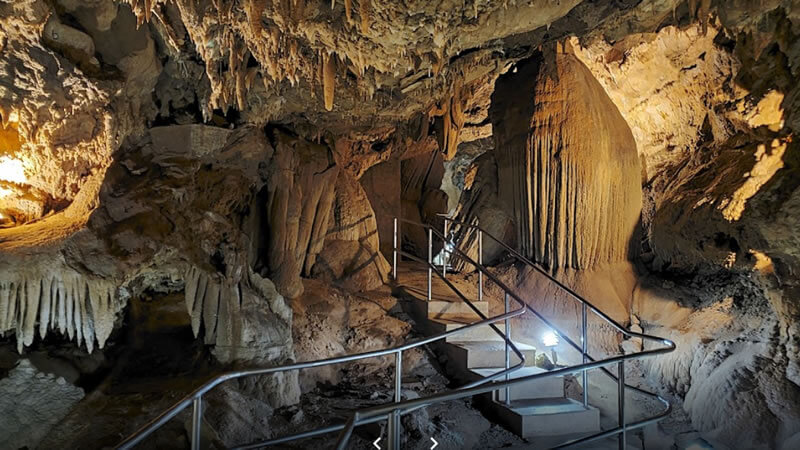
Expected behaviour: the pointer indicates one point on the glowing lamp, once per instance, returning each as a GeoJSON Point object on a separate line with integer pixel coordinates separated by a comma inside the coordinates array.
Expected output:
{"type": "Point", "coordinates": [550, 339]}
{"type": "Point", "coordinates": [699, 444]}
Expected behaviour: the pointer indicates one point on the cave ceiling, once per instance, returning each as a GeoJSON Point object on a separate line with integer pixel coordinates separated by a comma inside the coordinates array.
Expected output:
{"type": "Point", "coordinates": [376, 80]}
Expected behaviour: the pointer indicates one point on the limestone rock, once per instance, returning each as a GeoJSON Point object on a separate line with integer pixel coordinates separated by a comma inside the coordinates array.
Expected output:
{"type": "Point", "coordinates": [330, 322]}
{"type": "Point", "coordinates": [351, 254]}
{"type": "Point", "coordinates": [381, 183]}
{"type": "Point", "coordinates": [301, 193]}
{"type": "Point", "coordinates": [567, 164]}
{"type": "Point", "coordinates": [31, 402]}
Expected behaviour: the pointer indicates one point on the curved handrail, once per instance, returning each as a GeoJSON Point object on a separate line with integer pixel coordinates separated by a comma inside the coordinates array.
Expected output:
{"type": "Point", "coordinates": [151, 426]}
{"type": "Point", "coordinates": [365, 415]}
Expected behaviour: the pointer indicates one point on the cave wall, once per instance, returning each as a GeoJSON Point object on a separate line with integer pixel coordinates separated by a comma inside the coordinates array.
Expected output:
{"type": "Point", "coordinates": [381, 183]}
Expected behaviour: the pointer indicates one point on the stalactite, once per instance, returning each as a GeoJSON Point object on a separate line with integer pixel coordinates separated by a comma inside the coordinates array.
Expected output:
{"type": "Point", "coordinates": [348, 10]}
{"type": "Point", "coordinates": [328, 79]}
{"type": "Point", "coordinates": [364, 7]}
{"type": "Point", "coordinates": [211, 310]}
{"type": "Point", "coordinates": [83, 309]}
{"type": "Point", "coordinates": [215, 303]}
{"type": "Point", "coordinates": [254, 10]}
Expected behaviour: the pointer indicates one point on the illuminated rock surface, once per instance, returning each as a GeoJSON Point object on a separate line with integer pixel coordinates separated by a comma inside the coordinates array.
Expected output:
{"type": "Point", "coordinates": [238, 164]}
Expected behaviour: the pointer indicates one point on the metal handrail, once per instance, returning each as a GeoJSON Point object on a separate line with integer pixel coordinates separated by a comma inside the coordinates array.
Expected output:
{"type": "Point", "coordinates": [195, 397]}
{"type": "Point", "coordinates": [575, 296]}
{"type": "Point", "coordinates": [397, 409]}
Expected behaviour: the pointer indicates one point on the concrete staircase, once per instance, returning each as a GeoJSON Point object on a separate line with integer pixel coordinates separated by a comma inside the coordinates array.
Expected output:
{"type": "Point", "coordinates": [539, 410]}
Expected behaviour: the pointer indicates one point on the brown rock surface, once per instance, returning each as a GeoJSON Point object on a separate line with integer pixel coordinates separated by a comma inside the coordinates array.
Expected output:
{"type": "Point", "coordinates": [567, 164]}
{"type": "Point", "coordinates": [331, 322]}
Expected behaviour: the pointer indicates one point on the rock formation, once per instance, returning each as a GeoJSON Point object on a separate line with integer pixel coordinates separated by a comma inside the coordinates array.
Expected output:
{"type": "Point", "coordinates": [234, 153]}
{"type": "Point", "coordinates": [300, 197]}
{"type": "Point", "coordinates": [48, 399]}
{"type": "Point", "coordinates": [351, 255]}
{"type": "Point", "coordinates": [568, 164]}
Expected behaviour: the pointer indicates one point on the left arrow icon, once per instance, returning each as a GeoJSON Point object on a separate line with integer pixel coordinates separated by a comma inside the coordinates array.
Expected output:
{"type": "Point", "coordinates": [376, 443]}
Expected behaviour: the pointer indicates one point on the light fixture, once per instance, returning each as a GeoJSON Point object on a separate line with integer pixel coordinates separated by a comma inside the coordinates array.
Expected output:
{"type": "Point", "coordinates": [699, 444]}
{"type": "Point", "coordinates": [550, 339]}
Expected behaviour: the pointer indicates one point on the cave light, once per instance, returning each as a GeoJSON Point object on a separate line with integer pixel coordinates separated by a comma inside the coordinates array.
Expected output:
{"type": "Point", "coordinates": [550, 339]}
{"type": "Point", "coordinates": [699, 444]}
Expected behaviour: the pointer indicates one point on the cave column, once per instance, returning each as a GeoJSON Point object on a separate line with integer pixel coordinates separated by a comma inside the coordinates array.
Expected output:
{"type": "Point", "coordinates": [567, 163]}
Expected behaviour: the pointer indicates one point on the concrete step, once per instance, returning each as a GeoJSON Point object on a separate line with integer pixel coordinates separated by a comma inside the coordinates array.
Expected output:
{"type": "Point", "coordinates": [547, 418]}
{"type": "Point", "coordinates": [550, 387]}
{"type": "Point", "coordinates": [481, 333]}
{"type": "Point", "coordinates": [487, 354]}
{"type": "Point", "coordinates": [440, 309]}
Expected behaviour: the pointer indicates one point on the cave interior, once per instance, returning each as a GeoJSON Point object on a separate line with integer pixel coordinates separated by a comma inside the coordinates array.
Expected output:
{"type": "Point", "coordinates": [416, 224]}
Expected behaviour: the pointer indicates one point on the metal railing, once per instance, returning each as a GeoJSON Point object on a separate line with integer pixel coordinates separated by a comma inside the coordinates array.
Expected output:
{"type": "Point", "coordinates": [195, 398]}
{"type": "Point", "coordinates": [393, 411]}
{"type": "Point", "coordinates": [588, 362]}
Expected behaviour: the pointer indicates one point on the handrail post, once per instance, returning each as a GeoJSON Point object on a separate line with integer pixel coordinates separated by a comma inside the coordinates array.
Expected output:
{"type": "Point", "coordinates": [394, 417]}
{"type": "Point", "coordinates": [480, 261]}
{"type": "Point", "coordinates": [197, 421]}
{"type": "Point", "coordinates": [621, 395]}
{"type": "Point", "coordinates": [508, 353]}
{"type": "Point", "coordinates": [444, 250]}
{"type": "Point", "coordinates": [584, 345]}
{"type": "Point", "coordinates": [394, 251]}
{"type": "Point", "coordinates": [430, 261]}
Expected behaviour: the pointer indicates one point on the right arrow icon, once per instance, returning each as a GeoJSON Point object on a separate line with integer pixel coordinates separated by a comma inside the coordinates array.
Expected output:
{"type": "Point", "coordinates": [434, 443]}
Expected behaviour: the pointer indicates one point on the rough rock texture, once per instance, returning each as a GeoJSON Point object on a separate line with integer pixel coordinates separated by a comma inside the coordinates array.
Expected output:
{"type": "Point", "coordinates": [138, 237]}
{"type": "Point", "coordinates": [568, 164]}
{"type": "Point", "coordinates": [381, 183]}
{"type": "Point", "coordinates": [351, 255]}
{"type": "Point", "coordinates": [31, 402]}
{"type": "Point", "coordinates": [299, 200]}
{"type": "Point", "coordinates": [330, 322]}
{"type": "Point", "coordinates": [100, 192]}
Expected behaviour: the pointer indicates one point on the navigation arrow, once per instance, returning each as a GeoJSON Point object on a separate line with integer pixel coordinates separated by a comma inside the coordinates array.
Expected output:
{"type": "Point", "coordinates": [434, 443]}
{"type": "Point", "coordinates": [376, 443]}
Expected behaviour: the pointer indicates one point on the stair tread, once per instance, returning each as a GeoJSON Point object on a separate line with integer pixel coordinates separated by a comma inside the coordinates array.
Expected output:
{"type": "Point", "coordinates": [519, 373]}
{"type": "Point", "coordinates": [491, 345]}
{"type": "Point", "coordinates": [460, 320]}
{"type": "Point", "coordinates": [540, 406]}
{"type": "Point", "coordinates": [456, 300]}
